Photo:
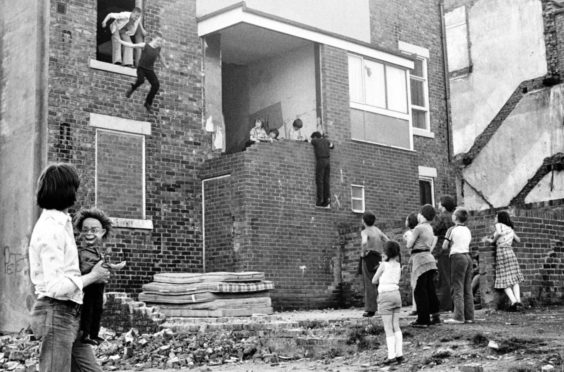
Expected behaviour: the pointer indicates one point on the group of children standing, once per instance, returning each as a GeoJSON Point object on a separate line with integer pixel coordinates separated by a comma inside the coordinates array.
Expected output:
{"type": "Point", "coordinates": [420, 240]}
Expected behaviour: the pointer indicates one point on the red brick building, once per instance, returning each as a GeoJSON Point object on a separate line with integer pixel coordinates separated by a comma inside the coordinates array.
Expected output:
{"type": "Point", "coordinates": [182, 193]}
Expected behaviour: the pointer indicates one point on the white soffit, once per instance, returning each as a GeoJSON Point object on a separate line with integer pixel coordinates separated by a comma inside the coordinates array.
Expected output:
{"type": "Point", "coordinates": [232, 16]}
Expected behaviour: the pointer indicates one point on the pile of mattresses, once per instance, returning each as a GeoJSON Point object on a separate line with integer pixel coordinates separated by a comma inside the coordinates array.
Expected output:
{"type": "Point", "coordinates": [216, 294]}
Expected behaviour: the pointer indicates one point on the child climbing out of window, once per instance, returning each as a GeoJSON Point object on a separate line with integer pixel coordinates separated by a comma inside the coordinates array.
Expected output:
{"type": "Point", "coordinates": [94, 227]}
{"type": "Point", "coordinates": [389, 300]}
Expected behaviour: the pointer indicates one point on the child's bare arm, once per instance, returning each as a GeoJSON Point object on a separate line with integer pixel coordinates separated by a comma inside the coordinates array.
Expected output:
{"type": "Point", "coordinates": [131, 45]}
{"type": "Point", "coordinates": [165, 64]}
{"type": "Point", "coordinates": [117, 266]}
{"type": "Point", "coordinates": [378, 274]}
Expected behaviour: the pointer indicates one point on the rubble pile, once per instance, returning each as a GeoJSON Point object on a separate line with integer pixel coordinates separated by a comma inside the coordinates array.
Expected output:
{"type": "Point", "coordinates": [19, 353]}
{"type": "Point", "coordinates": [216, 294]}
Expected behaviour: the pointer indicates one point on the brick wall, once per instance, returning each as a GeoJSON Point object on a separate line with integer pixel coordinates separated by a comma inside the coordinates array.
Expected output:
{"type": "Point", "coordinates": [540, 254]}
{"type": "Point", "coordinates": [419, 23]}
{"type": "Point", "coordinates": [173, 151]}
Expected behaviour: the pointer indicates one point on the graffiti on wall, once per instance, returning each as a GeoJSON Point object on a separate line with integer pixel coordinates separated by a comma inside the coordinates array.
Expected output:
{"type": "Point", "coordinates": [15, 260]}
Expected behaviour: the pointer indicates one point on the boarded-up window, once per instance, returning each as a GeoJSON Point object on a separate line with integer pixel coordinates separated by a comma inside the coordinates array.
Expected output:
{"type": "Point", "coordinates": [120, 174]}
{"type": "Point", "coordinates": [458, 46]}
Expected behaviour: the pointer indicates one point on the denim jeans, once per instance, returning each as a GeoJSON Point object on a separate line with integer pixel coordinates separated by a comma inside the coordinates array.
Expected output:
{"type": "Point", "coordinates": [461, 286]}
{"type": "Point", "coordinates": [56, 324]}
{"type": "Point", "coordinates": [370, 290]}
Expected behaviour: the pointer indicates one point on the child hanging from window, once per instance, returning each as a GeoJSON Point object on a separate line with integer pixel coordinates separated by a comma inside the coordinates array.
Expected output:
{"type": "Point", "coordinates": [94, 226]}
{"type": "Point", "coordinates": [389, 300]}
{"type": "Point", "coordinates": [146, 67]}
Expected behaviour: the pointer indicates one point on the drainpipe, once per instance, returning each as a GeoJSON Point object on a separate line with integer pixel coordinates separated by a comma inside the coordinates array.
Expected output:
{"type": "Point", "coordinates": [446, 78]}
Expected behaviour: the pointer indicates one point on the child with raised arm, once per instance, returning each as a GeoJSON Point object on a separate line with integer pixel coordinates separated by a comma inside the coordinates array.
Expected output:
{"type": "Point", "coordinates": [389, 300]}
{"type": "Point", "coordinates": [507, 271]}
{"type": "Point", "coordinates": [94, 226]}
{"type": "Point", "coordinates": [146, 67]}
{"type": "Point", "coordinates": [457, 240]}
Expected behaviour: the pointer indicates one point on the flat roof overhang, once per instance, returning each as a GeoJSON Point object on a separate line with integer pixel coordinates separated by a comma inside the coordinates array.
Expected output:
{"type": "Point", "coordinates": [224, 20]}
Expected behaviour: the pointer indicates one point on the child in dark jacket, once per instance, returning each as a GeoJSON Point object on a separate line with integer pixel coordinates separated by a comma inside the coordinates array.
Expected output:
{"type": "Point", "coordinates": [322, 147]}
{"type": "Point", "coordinates": [94, 226]}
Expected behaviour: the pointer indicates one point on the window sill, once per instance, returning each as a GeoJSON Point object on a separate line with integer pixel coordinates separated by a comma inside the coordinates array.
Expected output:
{"type": "Point", "coordinates": [117, 69]}
{"type": "Point", "coordinates": [130, 223]}
{"type": "Point", "coordinates": [382, 144]}
{"type": "Point", "coordinates": [423, 133]}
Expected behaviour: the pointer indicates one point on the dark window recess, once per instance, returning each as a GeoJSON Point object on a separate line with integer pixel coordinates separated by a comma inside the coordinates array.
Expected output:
{"type": "Point", "coordinates": [61, 8]}
{"type": "Point", "coordinates": [425, 192]}
{"type": "Point", "coordinates": [103, 35]}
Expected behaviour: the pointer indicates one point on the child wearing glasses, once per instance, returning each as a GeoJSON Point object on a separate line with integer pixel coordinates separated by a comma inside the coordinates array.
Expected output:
{"type": "Point", "coordinates": [94, 226]}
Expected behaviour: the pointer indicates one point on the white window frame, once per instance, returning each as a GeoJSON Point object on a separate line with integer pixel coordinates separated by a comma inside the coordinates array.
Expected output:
{"type": "Point", "coordinates": [362, 199]}
{"type": "Point", "coordinates": [112, 124]}
{"type": "Point", "coordinates": [428, 174]}
{"type": "Point", "coordinates": [421, 54]}
{"type": "Point", "coordinates": [362, 106]}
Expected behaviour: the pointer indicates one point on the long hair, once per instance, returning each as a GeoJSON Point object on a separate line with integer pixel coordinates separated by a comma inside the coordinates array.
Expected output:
{"type": "Point", "coordinates": [503, 217]}
{"type": "Point", "coordinates": [392, 250]}
{"type": "Point", "coordinates": [57, 186]}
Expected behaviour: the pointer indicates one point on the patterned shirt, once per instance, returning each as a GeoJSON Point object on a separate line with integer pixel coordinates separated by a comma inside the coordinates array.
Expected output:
{"type": "Point", "coordinates": [53, 258]}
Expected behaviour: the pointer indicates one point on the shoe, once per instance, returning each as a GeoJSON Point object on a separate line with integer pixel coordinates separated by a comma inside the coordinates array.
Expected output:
{"type": "Point", "coordinates": [412, 313]}
{"type": "Point", "coordinates": [512, 308]}
{"type": "Point", "coordinates": [399, 360]}
{"type": "Point", "coordinates": [117, 63]}
{"type": "Point", "coordinates": [98, 339]}
{"type": "Point", "coordinates": [469, 321]}
{"type": "Point", "coordinates": [368, 314]}
{"type": "Point", "coordinates": [88, 340]}
{"type": "Point", "coordinates": [518, 306]}
{"type": "Point", "coordinates": [435, 319]}
{"type": "Point", "coordinates": [387, 362]}
{"type": "Point", "coordinates": [128, 66]}
{"type": "Point", "coordinates": [419, 325]}
{"type": "Point", "coordinates": [453, 321]}
{"type": "Point", "coordinates": [129, 92]}
{"type": "Point", "coordinates": [148, 108]}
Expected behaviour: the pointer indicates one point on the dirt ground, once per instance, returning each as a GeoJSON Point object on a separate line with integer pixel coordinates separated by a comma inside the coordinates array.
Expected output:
{"type": "Point", "coordinates": [532, 340]}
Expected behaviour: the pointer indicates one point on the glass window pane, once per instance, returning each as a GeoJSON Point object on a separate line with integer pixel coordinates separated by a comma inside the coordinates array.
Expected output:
{"type": "Point", "coordinates": [418, 69]}
{"type": "Point", "coordinates": [357, 192]}
{"type": "Point", "coordinates": [425, 192]}
{"type": "Point", "coordinates": [418, 93]}
{"type": "Point", "coordinates": [396, 84]}
{"type": "Point", "coordinates": [355, 79]}
{"type": "Point", "coordinates": [419, 119]}
{"type": "Point", "coordinates": [357, 124]}
{"type": "Point", "coordinates": [357, 205]}
{"type": "Point", "coordinates": [374, 84]}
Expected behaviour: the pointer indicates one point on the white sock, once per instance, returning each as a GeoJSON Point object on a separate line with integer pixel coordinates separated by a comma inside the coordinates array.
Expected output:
{"type": "Point", "coordinates": [398, 338]}
{"type": "Point", "coordinates": [391, 342]}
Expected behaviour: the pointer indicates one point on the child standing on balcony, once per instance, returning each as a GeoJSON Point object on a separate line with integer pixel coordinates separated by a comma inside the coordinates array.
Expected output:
{"type": "Point", "coordinates": [507, 271]}
{"type": "Point", "coordinates": [389, 300]}
{"type": "Point", "coordinates": [94, 226]}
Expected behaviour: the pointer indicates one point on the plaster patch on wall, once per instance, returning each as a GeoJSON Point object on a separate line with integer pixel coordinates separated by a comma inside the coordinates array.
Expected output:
{"type": "Point", "coordinates": [543, 192]}
{"type": "Point", "coordinates": [532, 132]}
{"type": "Point", "coordinates": [507, 48]}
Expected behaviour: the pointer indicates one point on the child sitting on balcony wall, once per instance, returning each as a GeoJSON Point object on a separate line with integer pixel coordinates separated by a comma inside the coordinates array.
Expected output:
{"type": "Point", "coordinates": [258, 133]}
{"type": "Point", "coordinates": [296, 131]}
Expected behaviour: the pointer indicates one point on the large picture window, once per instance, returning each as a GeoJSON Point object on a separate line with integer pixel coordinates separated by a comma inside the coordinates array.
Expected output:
{"type": "Point", "coordinates": [379, 102]}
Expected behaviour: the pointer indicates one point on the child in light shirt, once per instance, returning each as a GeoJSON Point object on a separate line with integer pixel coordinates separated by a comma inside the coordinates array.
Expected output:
{"type": "Point", "coordinates": [458, 239]}
{"type": "Point", "coordinates": [389, 300]}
